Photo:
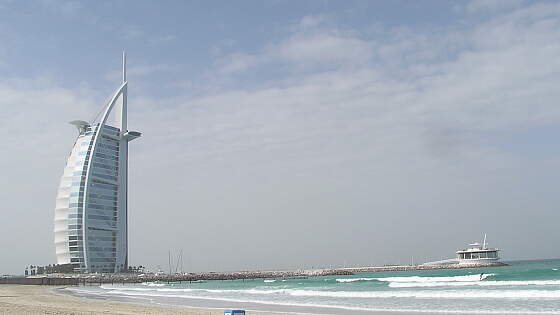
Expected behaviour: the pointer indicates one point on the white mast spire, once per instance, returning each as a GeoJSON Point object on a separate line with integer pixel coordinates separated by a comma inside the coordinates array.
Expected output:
{"type": "Point", "coordinates": [484, 243]}
{"type": "Point", "coordinates": [123, 66]}
{"type": "Point", "coordinates": [121, 111]}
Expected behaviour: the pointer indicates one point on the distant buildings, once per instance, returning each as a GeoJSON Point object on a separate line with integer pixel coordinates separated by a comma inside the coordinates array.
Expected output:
{"type": "Point", "coordinates": [50, 269]}
{"type": "Point", "coordinates": [90, 222]}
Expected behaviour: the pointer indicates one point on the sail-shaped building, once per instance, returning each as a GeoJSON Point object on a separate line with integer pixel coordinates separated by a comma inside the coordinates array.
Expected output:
{"type": "Point", "coordinates": [91, 215]}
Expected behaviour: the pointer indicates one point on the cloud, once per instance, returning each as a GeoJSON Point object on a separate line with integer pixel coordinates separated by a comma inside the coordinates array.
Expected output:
{"type": "Point", "coordinates": [312, 21]}
{"type": "Point", "coordinates": [491, 6]}
{"type": "Point", "coordinates": [477, 78]}
{"type": "Point", "coordinates": [399, 132]}
{"type": "Point", "coordinates": [331, 47]}
{"type": "Point", "coordinates": [238, 62]}
{"type": "Point", "coordinates": [437, 96]}
{"type": "Point", "coordinates": [68, 7]}
{"type": "Point", "coordinates": [163, 39]}
{"type": "Point", "coordinates": [139, 71]}
{"type": "Point", "coordinates": [130, 32]}
{"type": "Point", "coordinates": [303, 49]}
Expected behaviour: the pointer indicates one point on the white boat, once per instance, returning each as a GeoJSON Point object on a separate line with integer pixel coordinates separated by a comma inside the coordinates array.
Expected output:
{"type": "Point", "coordinates": [478, 254]}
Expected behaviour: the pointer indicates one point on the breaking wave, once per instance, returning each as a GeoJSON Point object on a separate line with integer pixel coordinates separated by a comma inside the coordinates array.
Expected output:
{"type": "Point", "coordinates": [417, 279]}
{"type": "Point", "coordinates": [455, 281]}
{"type": "Point", "coordinates": [441, 294]}
{"type": "Point", "coordinates": [153, 284]}
{"type": "Point", "coordinates": [467, 278]}
{"type": "Point", "coordinates": [475, 283]}
{"type": "Point", "coordinates": [355, 279]}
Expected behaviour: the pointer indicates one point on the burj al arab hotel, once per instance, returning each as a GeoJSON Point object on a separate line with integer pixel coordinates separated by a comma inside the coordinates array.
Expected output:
{"type": "Point", "coordinates": [91, 214]}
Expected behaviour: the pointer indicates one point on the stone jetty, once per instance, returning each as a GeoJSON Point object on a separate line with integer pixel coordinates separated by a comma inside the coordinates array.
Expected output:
{"type": "Point", "coordinates": [93, 279]}
{"type": "Point", "coordinates": [418, 267]}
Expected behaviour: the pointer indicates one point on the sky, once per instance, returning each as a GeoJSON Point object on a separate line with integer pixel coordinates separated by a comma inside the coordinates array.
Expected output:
{"type": "Point", "coordinates": [291, 134]}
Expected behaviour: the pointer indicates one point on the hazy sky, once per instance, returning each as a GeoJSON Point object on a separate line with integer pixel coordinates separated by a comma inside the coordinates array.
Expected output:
{"type": "Point", "coordinates": [284, 134]}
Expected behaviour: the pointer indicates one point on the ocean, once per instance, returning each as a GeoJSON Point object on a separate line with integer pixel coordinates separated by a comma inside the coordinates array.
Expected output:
{"type": "Point", "coordinates": [524, 287]}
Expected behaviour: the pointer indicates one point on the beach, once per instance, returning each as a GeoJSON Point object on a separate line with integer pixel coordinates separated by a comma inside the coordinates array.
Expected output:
{"type": "Point", "coordinates": [36, 299]}
{"type": "Point", "coordinates": [55, 300]}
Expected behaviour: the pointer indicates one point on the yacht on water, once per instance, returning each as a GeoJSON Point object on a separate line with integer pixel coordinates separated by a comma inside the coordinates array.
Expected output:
{"type": "Point", "coordinates": [478, 254]}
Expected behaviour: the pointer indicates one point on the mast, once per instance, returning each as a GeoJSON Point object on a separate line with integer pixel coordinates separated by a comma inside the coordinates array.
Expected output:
{"type": "Point", "coordinates": [181, 261]}
{"type": "Point", "coordinates": [124, 67]}
{"type": "Point", "coordinates": [121, 113]}
{"type": "Point", "coordinates": [484, 243]}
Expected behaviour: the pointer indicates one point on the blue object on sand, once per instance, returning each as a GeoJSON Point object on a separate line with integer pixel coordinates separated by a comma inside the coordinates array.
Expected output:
{"type": "Point", "coordinates": [232, 312]}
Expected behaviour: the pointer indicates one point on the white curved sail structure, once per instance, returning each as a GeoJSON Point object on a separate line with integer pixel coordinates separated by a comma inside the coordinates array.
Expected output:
{"type": "Point", "coordinates": [91, 214]}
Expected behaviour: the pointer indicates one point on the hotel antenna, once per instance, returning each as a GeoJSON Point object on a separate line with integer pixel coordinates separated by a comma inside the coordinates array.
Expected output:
{"type": "Point", "coordinates": [123, 66]}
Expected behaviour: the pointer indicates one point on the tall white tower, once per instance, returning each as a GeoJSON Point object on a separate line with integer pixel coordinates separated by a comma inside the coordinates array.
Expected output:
{"type": "Point", "coordinates": [91, 214]}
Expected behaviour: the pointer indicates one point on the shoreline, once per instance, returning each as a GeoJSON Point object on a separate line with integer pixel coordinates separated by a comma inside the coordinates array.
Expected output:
{"type": "Point", "coordinates": [251, 308]}
{"type": "Point", "coordinates": [37, 299]}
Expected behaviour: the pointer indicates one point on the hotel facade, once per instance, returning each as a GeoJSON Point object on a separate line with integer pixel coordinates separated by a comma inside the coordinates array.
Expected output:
{"type": "Point", "coordinates": [91, 213]}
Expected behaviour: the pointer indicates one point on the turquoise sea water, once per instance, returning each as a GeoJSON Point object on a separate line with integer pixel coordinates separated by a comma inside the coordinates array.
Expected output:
{"type": "Point", "coordinates": [524, 287]}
